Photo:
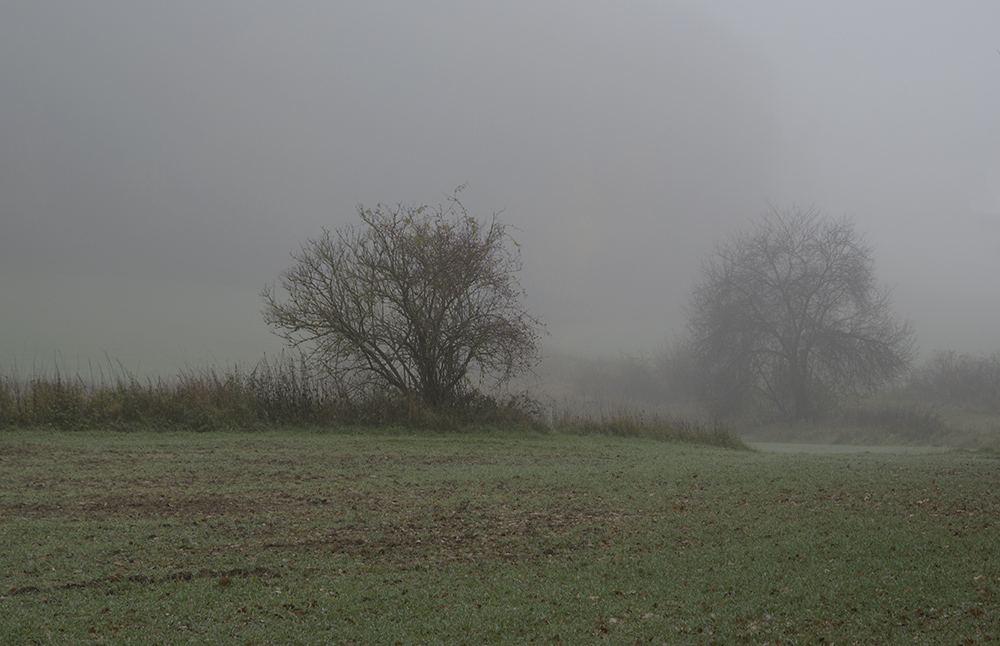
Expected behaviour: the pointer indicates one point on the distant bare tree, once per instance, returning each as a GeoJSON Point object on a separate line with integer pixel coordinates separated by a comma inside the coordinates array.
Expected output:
{"type": "Point", "coordinates": [788, 313]}
{"type": "Point", "coordinates": [413, 300]}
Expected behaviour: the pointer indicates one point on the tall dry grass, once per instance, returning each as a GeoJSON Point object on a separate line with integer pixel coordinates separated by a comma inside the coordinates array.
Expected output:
{"type": "Point", "coordinates": [282, 392]}
{"type": "Point", "coordinates": [278, 391]}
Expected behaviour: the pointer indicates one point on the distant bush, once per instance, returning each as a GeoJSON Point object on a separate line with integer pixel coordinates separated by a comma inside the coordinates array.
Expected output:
{"type": "Point", "coordinates": [662, 383]}
{"type": "Point", "coordinates": [960, 379]}
{"type": "Point", "coordinates": [899, 424]}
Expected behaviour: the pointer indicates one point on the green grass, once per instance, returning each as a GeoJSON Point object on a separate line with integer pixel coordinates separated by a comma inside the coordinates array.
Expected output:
{"type": "Point", "coordinates": [340, 538]}
{"type": "Point", "coordinates": [887, 422]}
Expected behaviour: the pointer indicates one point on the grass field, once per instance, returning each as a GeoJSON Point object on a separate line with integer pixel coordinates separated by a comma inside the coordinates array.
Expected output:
{"type": "Point", "coordinates": [332, 538]}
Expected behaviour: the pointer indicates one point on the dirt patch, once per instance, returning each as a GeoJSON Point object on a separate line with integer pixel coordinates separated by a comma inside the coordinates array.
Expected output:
{"type": "Point", "coordinates": [137, 506]}
{"type": "Point", "coordinates": [384, 524]}
{"type": "Point", "coordinates": [19, 450]}
{"type": "Point", "coordinates": [222, 576]}
{"type": "Point", "coordinates": [368, 507]}
{"type": "Point", "coordinates": [512, 535]}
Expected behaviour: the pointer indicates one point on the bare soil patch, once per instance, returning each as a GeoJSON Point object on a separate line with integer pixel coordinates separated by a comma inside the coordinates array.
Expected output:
{"type": "Point", "coordinates": [334, 504]}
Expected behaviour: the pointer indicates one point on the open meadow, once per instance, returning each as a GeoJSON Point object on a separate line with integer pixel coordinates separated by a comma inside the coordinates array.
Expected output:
{"type": "Point", "coordinates": [299, 537]}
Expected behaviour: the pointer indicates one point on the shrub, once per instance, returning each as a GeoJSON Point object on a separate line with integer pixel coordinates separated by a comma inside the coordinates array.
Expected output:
{"type": "Point", "coordinates": [900, 424]}
{"type": "Point", "coordinates": [960, 379]}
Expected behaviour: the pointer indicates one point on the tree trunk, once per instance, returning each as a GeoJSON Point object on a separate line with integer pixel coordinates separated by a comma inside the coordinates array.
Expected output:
{"type": "Point", "coordinates": [801, 400]}
{"type": "Point", "coordinates": [801, 396]}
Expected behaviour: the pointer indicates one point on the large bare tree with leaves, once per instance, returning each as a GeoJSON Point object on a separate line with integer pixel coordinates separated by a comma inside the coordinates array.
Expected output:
{"type": "Point", "coordinates": [788, 314]}
{"type": "Point", "coordinates": [415, 300]}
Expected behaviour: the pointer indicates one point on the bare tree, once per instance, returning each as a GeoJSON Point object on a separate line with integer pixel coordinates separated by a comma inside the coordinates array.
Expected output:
{"type": "Point", "coordinates": [788, 312]}
{"type": "Point", "coordinates": [414, 300]}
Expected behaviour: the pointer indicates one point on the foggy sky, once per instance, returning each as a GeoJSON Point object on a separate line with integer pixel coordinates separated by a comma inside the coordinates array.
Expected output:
{"type": "Point", "coordinates": [159, 161]}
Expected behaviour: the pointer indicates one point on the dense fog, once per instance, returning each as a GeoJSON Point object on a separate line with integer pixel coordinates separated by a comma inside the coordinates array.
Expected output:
{"type": "Point", "coordinates": [159, 161]}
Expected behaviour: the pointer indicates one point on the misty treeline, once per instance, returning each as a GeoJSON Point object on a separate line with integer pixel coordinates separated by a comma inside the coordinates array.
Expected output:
{"type": "Point", "coordinates": [424, 304]}
{"type": "Point", "coordinates": [670, 381]}
{"type": "Point", "coordinates": [415, 318]}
